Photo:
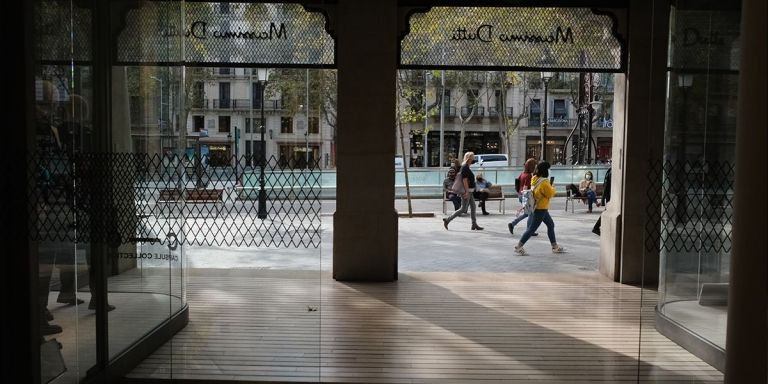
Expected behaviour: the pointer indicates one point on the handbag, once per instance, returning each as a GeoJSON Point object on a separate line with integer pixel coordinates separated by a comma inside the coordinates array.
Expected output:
{"type": "Point", "coordinates": [458, 185]}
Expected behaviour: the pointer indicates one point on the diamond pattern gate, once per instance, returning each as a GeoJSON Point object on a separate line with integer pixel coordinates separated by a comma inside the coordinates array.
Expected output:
{"type": "Point", "coordinates": [692, 202]}
{"type": "Point", "coordinates": [175, 201]}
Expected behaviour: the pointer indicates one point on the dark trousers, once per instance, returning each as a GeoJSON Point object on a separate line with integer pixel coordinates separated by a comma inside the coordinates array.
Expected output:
{"type": "Point", "coordinates": [596, 228]}
{"type": "Point", "coordinates": [455, 199]}
{"type": "Point", "coordinates": [482, 196]}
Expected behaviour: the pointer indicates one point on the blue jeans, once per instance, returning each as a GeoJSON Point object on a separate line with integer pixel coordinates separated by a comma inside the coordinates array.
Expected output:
{"type": "Point", "coordinates": [455, 199]}
{"type": "Point", "coordinates": [539, 216]}
{"type": "Point", "coordinates": [591, 198]}
{"type": "Point", "coordinates": [523, 216]}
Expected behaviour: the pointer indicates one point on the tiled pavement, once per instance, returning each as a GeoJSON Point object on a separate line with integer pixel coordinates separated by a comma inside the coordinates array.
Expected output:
{"type": "Point", "coordinates": [425, 246]}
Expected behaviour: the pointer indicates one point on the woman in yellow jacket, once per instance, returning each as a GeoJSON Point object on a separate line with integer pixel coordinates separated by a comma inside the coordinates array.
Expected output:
{"type": "Point", "coordinates": [543, 191]}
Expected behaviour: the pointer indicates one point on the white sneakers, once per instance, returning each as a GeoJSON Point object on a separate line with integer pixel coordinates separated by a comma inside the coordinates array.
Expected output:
{"type": "Point", "coordinates": [520, 251]}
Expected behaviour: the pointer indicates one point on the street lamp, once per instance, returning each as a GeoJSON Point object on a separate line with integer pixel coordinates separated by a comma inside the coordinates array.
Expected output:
{"type": "Point", "coordinates": [545, 77]}
{"type": "Point", "coordinates": [263, 75]}
{"type": "Point", "coordinates": [160, 119]}
{"type": "Point", "coordinates": [237, 154]}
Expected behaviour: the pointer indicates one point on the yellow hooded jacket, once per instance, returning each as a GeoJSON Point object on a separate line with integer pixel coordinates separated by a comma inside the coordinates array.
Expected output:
{"type": "Point", "coordinates": [543, 192]}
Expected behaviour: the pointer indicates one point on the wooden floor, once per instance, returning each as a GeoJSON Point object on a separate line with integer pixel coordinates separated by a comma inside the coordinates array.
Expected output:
{"type": "Point", "coordinates": [425, 328]}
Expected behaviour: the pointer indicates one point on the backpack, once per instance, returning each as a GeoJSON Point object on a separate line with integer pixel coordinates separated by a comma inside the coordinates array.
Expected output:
{"type": "Point", "coordinates": [526, 197]}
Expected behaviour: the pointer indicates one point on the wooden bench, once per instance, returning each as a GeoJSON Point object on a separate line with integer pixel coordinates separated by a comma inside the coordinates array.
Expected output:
{"type": "Point", "coordinates": [572, 199]}
{"type": "Point", "coordinates": [192, 196]}
{"type": "Point", "coordinates": [495, 193]}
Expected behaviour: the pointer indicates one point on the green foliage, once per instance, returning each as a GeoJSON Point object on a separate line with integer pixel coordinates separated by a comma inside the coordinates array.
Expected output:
{"type": "Point", "coordinates": [291, 85]}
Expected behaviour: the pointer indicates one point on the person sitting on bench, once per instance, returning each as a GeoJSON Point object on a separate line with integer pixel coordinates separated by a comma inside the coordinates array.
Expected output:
{"type": "Point", "coordinates": [448, 183]}
{"type": "Point", "coordinates": [585, 190]}
{"type": "Point", "coordinates": [481, 191]}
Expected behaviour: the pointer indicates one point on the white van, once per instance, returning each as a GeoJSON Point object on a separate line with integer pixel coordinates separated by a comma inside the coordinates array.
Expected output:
{"type": "Point", "coordinates": [492, 160]}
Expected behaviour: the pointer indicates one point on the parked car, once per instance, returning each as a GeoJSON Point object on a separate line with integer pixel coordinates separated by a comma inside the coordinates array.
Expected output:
{"type": "Point", "coordinates": [492, 160]}
{"type": "Point", "coordinates": [399, 161]}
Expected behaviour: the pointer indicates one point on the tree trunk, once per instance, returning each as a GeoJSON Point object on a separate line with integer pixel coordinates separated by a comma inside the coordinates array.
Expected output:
{"type": "Point", "coordinates": [405, 170]}
{"type": "Point", "coordinates": [402, 148]}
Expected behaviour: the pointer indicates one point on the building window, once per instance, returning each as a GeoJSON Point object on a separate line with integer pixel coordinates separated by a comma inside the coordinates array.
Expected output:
{"type": "Point", "coordinates": [534, 119]}
{"type": "Point", "coordinates": [555, 149]}
{"type": "Point", "coordinates": [198, 123]}
{"type": "Point", "coordinates": [298, 155]}
{"type": "Point", "coordinates": [314, 124]}
{"type": "Point", "coordinates": [286, 124]}
{"type": "Point", "coordinates": [604, 145]}
{"type": "Point", "coordinates": [447, 100]}
{"type": "Point", "coordinates": [475, 141]}
{"type": "Point", "coordinates": [472, 96]}
{"type": "Point", "coordinates": [224, 95]}
{"type": "Point", "coordinates": [248, 128]}
{"type": "Point", "coordinates": [224, 71]}
{"type": "Point", "coordinates": [256, 95]}
{"type": "Point", "coordinates": [559, 111]}
{"type": "Point", "coordinates": [224, 123]}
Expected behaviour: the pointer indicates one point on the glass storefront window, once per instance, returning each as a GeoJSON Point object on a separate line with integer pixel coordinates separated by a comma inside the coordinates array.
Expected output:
{"type": "Point", "coordinates": [697, 176]}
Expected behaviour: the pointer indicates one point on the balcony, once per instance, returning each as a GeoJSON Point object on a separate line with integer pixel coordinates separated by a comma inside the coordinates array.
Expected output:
{"type": "Point", "coordinates": [224, 72]}
{"type": "Point", "coordinates": [494, 111]}
{"type": "Point", "coordinates": [479, 112]}
{"type": "Point", "coordinates": [240, 104]}
{"type": "Point", "coordinates": [222, 103]}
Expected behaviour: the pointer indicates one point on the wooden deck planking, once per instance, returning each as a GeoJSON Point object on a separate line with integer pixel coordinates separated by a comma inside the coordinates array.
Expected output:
{"type": "Point", "coordinates": [503, 329]}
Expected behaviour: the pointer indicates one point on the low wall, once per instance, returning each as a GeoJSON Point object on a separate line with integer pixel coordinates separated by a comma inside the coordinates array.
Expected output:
{"type": "Point", "coordinates": [424, 182]}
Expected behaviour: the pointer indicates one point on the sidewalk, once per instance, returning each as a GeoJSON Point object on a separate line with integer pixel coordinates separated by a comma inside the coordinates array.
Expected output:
{"type": "Point", "coordinates": [425, 246]}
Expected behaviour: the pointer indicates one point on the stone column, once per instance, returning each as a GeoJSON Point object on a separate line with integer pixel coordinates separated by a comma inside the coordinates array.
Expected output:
{"type": "Point", "coordinates": [643, 138]}
{"type": "Point", "coordinates": [365, 221]}
{"type": "Point", "coordinates": [746, 337]}
{"type": "Point", "coordinates": [609, 263]}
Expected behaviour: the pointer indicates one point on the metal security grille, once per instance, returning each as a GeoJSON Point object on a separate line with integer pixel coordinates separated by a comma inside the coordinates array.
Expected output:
{"type": "Point", "coordinates": [224, 33]}
{"type": "Point", "coordinates": [692, 202]}
{"type": "Point", "coordinates": [62, 32]}
{"type": "Point", "coordinates": [526, 38]}
{"type": "Point", "coordinates": [119, 198]}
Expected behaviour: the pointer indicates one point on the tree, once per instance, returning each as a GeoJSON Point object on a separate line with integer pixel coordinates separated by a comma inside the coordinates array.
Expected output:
{"type": "Point", "coordinates": [293, 86]}
{"type": "Point", "coordinates": [465, 83]}
{"type": "Point", "coordinates": [409, 109]}
{"type": "Point", "coordinates": [521, 81]}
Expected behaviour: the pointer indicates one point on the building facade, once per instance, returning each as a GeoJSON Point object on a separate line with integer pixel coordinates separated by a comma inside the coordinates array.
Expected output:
{"type": "Point", "coordinates": [511, 120]}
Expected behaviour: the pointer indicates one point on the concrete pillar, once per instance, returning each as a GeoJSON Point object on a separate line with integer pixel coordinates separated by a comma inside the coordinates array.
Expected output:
{"type": "Point", "coordinates": [610, 222]}
{"type": "Point", "coordinates": [746, 357]}
{"type": "Point", "coordinates": [365, 221]}
{"type": "Point", "coordinates": [643, 135]}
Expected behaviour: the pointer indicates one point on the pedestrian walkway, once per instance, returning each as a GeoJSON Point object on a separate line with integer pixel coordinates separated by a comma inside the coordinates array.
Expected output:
{"type": "Point", "coordinates": [425, 246]}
